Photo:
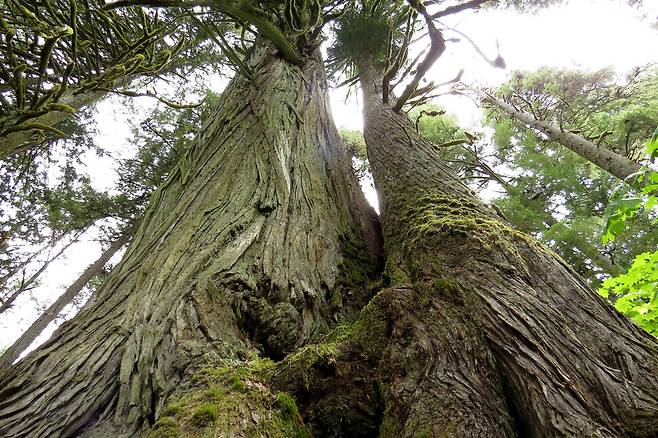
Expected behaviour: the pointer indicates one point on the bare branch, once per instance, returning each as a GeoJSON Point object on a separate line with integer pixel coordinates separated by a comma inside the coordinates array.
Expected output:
{"type": "Point", "coordinates": [459, 8]}
{"type": "Point", "coordinates": [437, 47]}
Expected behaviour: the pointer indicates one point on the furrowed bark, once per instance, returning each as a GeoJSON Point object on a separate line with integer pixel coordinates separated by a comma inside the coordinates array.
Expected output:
{"type": "Point", "coordinates": [613, 163]}
{"type": "Point", "coordinates": [12, 353]}
{"type": "Point", "coordinates": [242, 249]}
{"type": "Point", "coordinates": [510, 324]}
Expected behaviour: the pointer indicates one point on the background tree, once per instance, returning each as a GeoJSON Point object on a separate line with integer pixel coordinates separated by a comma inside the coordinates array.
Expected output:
{"type": "Point", "coordinates": [138, 178]}
{"type": "Point", "coordinates": [549, 182]}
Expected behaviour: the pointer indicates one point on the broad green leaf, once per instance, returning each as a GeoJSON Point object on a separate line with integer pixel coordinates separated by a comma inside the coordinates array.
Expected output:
{"type": "Point", "coordinates": [637, 291]}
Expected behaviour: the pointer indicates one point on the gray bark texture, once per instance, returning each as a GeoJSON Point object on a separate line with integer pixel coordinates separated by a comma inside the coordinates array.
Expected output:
{"type": "Point", "coordinates": [613, 163]}
{"type": "Point", "coordinates": [508, 340]}
{"type": "Point", "coordinates": [241, 250]}
{"type": "Point", "coordinates": [476, 330]}
{"type": "Point", "coordinates": [25, 340]}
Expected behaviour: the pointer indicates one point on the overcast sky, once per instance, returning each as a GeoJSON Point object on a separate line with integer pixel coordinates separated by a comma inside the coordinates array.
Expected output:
{"type": "Point", "coordinates": [585, 34]}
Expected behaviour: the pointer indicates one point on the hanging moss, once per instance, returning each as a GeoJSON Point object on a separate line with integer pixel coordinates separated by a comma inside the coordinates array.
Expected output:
{"type": "Point", "coordinates": [165, 427]}
{"type": "Point", "coordinates": [204, 415]}
{"type": "Point", "coordinates": [358, 266]}
{"type": "Point", "coordinates": [395, 275]}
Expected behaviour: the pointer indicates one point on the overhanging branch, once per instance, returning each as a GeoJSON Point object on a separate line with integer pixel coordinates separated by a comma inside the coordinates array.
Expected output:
{"type": "Point", "coordinates": [459, 8]}
{"type": "Point", "coordinates": [437, 47]}
{"type": "Point", "coordinates": [244, 11]}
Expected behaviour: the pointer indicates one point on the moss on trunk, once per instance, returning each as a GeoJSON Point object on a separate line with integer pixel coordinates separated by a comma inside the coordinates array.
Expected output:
{"type": "Point", "coordinates": [497, 335]}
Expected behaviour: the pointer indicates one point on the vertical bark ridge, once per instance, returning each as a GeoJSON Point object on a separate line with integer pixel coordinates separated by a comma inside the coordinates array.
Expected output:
{"type": "Point", "coordinates": [568, 364]}
{"type": "Point", "coordinates": [239, 250]}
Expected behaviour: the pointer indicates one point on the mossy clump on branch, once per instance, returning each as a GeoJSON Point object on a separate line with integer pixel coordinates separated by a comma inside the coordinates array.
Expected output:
{"type": "Point", "coordinates": [360, 36]}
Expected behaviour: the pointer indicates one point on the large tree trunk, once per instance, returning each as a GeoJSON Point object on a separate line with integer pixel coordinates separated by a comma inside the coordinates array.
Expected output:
{"type": "Point", "coordinates": [25, 340]}
{"type": "Point", "coordinates": [507, 340]}
{"type": "Point", "coordinates": [245, 247]}
{"type": "Point", "coordinates": [613, 163]}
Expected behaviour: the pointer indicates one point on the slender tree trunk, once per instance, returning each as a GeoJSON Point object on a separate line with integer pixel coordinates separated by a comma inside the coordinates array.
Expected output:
{"type": "Point", "coordinates": [615, 164]}
{"type": "Point", "coordinates": [27, 284]}
{"type": "Point", "coordinates": [495, 335]}
{"type": "Point", "coordinates": [243, 249]}
{"type": "Point", "coordinates": [12, 353]}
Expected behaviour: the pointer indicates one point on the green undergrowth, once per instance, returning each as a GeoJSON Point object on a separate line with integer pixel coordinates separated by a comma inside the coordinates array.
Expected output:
{"type": "Point", "coordinates": [230, 401]}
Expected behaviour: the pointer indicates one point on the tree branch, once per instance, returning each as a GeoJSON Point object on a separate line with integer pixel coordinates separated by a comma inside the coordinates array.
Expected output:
{"type": "Point", "coordinates": [459, 8]}
{"type": "Point", "coordinates": [437, 47]}
{"type": "Point", "coordinates": [245, 11]}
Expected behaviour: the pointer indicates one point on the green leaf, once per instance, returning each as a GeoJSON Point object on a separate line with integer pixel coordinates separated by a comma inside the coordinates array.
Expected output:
{"type": "Point", "coordinates": [637, 291]}
{"type": "Point", "coordinates": [652, 145]}
{"type": "Point", "coordinates": [624, 209]}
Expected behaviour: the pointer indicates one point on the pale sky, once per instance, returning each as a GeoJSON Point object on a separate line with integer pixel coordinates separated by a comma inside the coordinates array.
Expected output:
{"type": "Point", "coordinates": [585, 34]}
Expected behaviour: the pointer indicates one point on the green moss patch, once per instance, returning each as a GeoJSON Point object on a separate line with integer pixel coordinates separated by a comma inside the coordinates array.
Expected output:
{"type": "Point", "coordinates": [230, 401]}
{"type": "Point", "coordinates": [436, 219]}
{"type": "Point", "coordinates": [368, 335]}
